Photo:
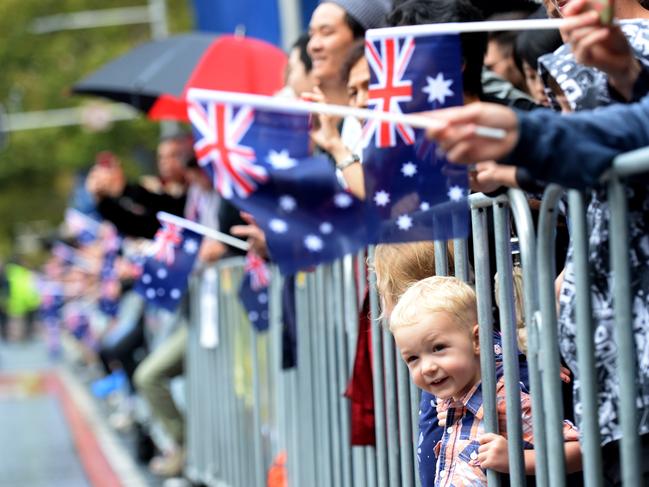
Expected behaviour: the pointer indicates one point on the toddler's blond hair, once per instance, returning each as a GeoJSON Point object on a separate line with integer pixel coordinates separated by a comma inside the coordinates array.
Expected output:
{"type": "Point", "coordinates": [434, 295]}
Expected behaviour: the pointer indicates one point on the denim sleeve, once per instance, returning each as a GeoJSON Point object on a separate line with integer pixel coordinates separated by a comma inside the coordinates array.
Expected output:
{"type": "Point", "coordinates": [575, 150]}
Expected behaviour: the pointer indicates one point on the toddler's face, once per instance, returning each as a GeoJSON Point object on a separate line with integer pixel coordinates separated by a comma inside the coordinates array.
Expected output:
{"type": "Point", "coordinates": [443, 356]}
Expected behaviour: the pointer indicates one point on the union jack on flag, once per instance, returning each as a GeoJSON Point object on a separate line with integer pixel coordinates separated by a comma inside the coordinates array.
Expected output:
{"type": "Point", "coordinates": [166, 270]}
{"type": "Point", "coordinates": [296, 198]}
{"type": "Point", "coordinates": [258, 270]}
{"type": "Point", "coordinates": [389, 63]}
{"type": "Point", "coordinates": [413, 193]}
{"type": "Point", "coordinates": [253, 291]}
{"type": "Point", "coordinates": [219, 129]}
{"type": "Point", "coordinates": [167, 239]}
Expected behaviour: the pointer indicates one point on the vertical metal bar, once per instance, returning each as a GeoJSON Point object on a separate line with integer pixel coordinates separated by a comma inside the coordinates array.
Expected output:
{"type": "Point", "coordinates": [485, 319]}
{"type": "Point", "coordinates": [415, 399]}
{"type": "Point", "coordinates": [305, 393]}
{"type": "Point", "coordinates": [441, 258]}
{"type": "Point", "coordinates": [589, 425]}
{"type": "Point", "coordinates": [350, 296]}
{"type": "Point", "coordinates": [336, 388]}
{"type": "Point", "coordinates": [377, 378]}
{"type": "Point", "coordinates": [391, 411]}
{"type": "Point", "coordinates": [626, 348]}
{"type": "Point", "coordinates": [553, 405]}
{"type": "Point", "coordinates": [509, 343]}
{"type": "Point", "coordinates": [258, 455]}
{"type": "Point", "coordinates": [228, 384]}
{"type": "Point", "coordinates": [343, 273]}
{"type": "Point", "coordinates": [527, 241]}
{"type": "Point", "coordinates": [461, 259]}
{"type": "Point", "coordinates": [406, 442]}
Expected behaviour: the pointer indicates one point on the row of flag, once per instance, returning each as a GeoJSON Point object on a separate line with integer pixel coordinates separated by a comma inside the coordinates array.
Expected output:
{"type": "Point", "coordinates": [262, 162]}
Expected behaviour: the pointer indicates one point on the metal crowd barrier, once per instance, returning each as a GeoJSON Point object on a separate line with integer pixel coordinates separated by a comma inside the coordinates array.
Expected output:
{"type": "Point", "coordinates": [243, 409]}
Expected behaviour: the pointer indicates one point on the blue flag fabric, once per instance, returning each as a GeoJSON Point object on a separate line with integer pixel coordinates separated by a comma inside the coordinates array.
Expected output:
{"type": "Point", "coordinates": [253, 291]}
{"type": "Point", "coordinates": [110, 289]}
{"type": "Point", "coordinates": [84, 228]}
{"type": "Point", "coordinates": [259, 160]}
{"type": "Point", "coordinates": [413, 193]}
{"type": "Point", "coordinates": [166, 269]}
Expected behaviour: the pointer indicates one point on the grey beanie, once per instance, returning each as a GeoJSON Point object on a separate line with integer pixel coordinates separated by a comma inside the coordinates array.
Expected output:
{"type": "Point", "coordinates": [371, 14]}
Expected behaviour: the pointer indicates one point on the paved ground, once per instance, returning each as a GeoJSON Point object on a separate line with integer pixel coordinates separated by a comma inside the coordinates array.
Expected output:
{"type": "Point", "coordinates": [47, 418]}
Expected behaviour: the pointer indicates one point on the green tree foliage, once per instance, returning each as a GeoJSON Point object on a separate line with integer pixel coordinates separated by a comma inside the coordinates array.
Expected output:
{"type": "Point", "coordinates": [37, 71]}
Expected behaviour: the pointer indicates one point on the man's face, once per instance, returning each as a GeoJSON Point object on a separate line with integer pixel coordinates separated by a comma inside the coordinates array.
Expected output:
{"type": "Point", "coordinates": [296, 76]}
{"type": "Point", "coordinates": [330, 40]}
{"type": "Point", "coordinates": [499, 59]}
{"type": "Point", "coordinates": [358, 84]}
{"type": "Point", "coordinates": [171, 160]}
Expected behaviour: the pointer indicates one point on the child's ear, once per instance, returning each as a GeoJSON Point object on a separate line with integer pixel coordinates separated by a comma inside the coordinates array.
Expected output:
{"type": "Point", "coordinates": [475, 332]}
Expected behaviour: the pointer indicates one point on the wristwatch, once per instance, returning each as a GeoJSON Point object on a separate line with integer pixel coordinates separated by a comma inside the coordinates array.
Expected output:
{"type": "Point", "coordinates": [348, 161]}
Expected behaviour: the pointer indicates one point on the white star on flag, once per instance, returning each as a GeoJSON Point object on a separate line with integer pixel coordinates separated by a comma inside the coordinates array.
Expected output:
{"type": "Point", "coordinates": [162, 273]}
{"type": "Point", "coordinates": [326, 228]}
{"type": "Point", "coordinates": [404, 222]}
{"type": "Point", "coordinates": [281, 159]}
{"type": "Point", "coordinates": [287, 203]}
{"type": "Point", "coordinates": [191, 246]}
{"type": "Point", "coordinates": [175, 293]}
{"type": "Point", "coordinates": [313, 243]}
{"type": "Point", "coordinates": [262, 298]}
{"type": "Point", "coordinates": [150, 293]}
{"type": "Point", "coordinates": [146, 278]}
{"type": "Point", "coordinates": [424, 206]}
{"type": "Point", "coordinates": [342, 200]}
{"type": "Point", "coordinates": [278, 226]}
{"type": "Point", "coordinates": [455, 193]}
{"type": "Point", "coordinates": [438, 88]}
{"type": "Point", "coordinates": [381, 198]}
{"type": "Point", "coordinates": [409, 169]}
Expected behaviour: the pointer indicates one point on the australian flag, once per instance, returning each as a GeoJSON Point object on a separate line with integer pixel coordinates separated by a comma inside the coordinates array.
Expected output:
{"type": "Point", "coordinates": [253, 291]}
{"type": "Point", "coordinates": [413, 193]}
{"type": "Point", "coordinates": [260, 161]}
{"type": "Point", "coordinates": [110, 288]}
{"type": "Point", "coordinates": [84, 228]}
{"type": "Point", "coordinates": [166, 269]}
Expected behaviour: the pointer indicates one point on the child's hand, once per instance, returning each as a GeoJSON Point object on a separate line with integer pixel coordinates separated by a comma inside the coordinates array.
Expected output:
{"type": "Point", "coordinates": [442, 412]}
{"type": "Point", "coordinates": [441, 417]}
{"type": "Point", "coordinates": [492, 452]}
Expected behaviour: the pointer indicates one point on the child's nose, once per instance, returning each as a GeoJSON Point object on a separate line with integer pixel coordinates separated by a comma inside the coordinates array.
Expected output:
{"type": "Point", "coordinates": [429, 367]}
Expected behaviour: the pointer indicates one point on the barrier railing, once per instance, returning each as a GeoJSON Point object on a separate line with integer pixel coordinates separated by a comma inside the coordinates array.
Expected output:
{"type": "Point", "coordinates": [243, 409]}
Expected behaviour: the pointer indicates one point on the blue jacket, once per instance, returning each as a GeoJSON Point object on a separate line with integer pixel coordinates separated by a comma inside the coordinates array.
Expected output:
{"type": "Point", "coordinates": [575, 150]}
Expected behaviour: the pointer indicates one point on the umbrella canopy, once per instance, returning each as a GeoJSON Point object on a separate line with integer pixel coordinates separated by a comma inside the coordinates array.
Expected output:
{"type": "Point", "coordinates": [155, 76]}
{"type": "Point", "coordinates": [141, 75]}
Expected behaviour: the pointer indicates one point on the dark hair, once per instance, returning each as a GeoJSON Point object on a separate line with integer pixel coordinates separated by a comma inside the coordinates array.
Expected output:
{"type": "Point", "coordinates": [506, 38]}
{"type": "Point", "coordinates": [355, 53]}
{"type": "Point", "coordinates": [358, 31]}
{"type": "Point", "coordinates": [300, 44]}
{"type": "Point", "coordinates": [493, 7]}
{"type": "Point", "coordinates": [474, 45]}
{"type": "Point", "coordinates": [532, 44]}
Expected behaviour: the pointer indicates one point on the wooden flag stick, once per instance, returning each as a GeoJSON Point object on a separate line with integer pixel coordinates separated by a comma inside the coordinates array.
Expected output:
{"type": "Point", "coordinates": [203, 230]}
{"type": "Point", "coordinates": [284, 105]}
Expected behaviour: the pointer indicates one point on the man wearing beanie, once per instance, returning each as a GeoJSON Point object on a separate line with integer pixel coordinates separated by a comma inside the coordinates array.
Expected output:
{"type": "Point", "coordinates": [334, 26]}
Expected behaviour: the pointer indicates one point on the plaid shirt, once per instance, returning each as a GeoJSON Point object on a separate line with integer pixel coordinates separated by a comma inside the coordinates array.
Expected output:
{"type": "Point", "coordinates": [457, 451]}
